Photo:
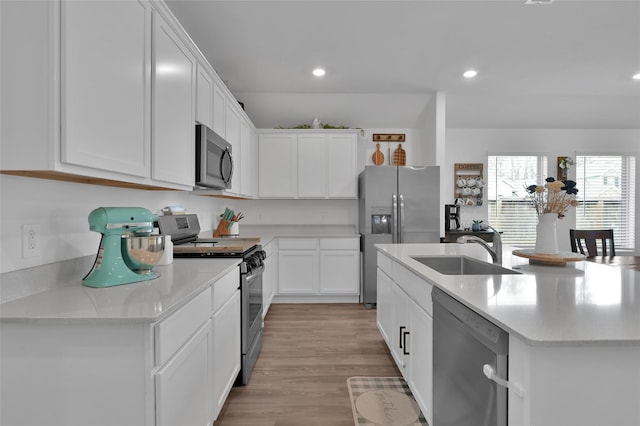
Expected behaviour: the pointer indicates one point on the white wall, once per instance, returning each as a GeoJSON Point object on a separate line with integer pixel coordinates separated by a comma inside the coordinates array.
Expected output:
{"type": "Point", "coordinates": [473, 146]}
{"type": "Point", "coordinates": [412, 145]}
{"type": "Point", "coordinates": [61, 210]}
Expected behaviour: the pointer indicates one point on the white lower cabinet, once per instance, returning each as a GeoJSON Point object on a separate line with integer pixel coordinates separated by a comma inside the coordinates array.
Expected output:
{"type": "Point", "coordinates": [319, 267]}
{"type": "Point", "coordinates": [226, 350]}
{"type": "Point", "coordinates": [384, 307]}
{"type": "Point", "coordinates": [176, 371]}
{"type": "Point", "coordinates": [297, 271]}
{"type": "Point", "coordinates": [270, 276]}
{"type": "Point", "coordinates": [183, 384]}
{"type": "Point", "coordinates": [420, 365]}
{"type": "Point", "coordinates": [407, 329]}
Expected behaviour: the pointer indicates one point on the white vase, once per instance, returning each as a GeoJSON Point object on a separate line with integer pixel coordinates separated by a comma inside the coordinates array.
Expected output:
{"type": "Point", "coordinates": [546, 235]}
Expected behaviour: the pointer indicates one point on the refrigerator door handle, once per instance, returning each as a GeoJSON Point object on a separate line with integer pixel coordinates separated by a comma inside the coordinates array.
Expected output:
{"type": "Point", "coordinates": [394, 221]}
{"type": "Point", "coordinates": [401, 223]}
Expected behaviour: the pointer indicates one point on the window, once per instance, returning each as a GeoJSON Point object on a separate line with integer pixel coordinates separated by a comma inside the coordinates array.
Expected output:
{"type": "Point", "coordinates": [510, 209]}
{"type": "Point", "coordinates": [606, 186]}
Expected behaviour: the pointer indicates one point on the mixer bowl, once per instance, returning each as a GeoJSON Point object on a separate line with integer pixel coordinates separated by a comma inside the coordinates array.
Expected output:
{"type": "Point", "coordinates": [141, 254]}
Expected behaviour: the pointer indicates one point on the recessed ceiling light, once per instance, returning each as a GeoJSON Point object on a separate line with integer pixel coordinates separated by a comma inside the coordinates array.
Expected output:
{"type": "Point", "coordinates": [319, 72]}
{"type": "Point", "coordinates": [470, 73]}
{"type": "Point", "coordinates": [538, 1]}
{"type": "Point", "coordinates": [636, 76]}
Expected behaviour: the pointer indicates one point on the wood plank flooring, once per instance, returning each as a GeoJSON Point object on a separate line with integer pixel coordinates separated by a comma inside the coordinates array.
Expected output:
{"type": "Point", "coordinates": [309, 352]}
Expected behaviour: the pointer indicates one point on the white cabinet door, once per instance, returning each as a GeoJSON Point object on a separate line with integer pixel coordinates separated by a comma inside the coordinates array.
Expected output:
{"type": "Point", "coordinates": [204, 97]}
{"type": "Point", "coordinates": [297, 272]}
{"type": "Point", "coordinates": [384, 307]}
{"type": "Point", "coordinates": [232, 135]}
{"type": "Point", "coordinates": [105, 85]}
{"type": "Point", "coordinates": [183, 384]}
{"type": "Point", "coordinates": [277, 166]}
{"type": "Point", "coordinates": [269, 279]}
{"type": "Point", "coordinates": [248, 167]}
{"type": "Point", "coordinates": [420, 360]}
{"type": "Point", "coordinates": [311, 166]}
{"type": "Point", "coordinates": [226, 353]}
{"type": "Point", "coordinates": [173, 100]}
{"type": "Point", "coordinates": [339, 272]}
{"type": "Point", "coordinates": [219, 110]}
{"type": "Point", "coordinates": [400, 331]}
{"type": "Point", "coordinates": [342, 166]}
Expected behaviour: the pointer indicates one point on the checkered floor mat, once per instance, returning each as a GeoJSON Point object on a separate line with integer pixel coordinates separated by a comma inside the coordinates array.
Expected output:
{"type": "Point", "coordinates": [383, 401]}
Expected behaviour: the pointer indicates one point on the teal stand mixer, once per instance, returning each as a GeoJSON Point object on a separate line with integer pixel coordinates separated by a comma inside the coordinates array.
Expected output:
{"type": "Point", "coordinates": [128, 251]}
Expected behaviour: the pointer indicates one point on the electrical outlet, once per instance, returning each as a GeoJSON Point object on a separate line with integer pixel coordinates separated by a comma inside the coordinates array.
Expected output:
{"type": "Point", "coordinates": [31, 241]}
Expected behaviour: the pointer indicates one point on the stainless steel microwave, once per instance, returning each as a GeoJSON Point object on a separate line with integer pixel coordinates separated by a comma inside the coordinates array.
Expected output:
{"type": "Point", "coordinates": [214, 162]}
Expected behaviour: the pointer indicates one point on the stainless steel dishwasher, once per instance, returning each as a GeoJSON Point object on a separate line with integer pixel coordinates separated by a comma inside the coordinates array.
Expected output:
{"type": "Point", "coordinates": [468, 352]}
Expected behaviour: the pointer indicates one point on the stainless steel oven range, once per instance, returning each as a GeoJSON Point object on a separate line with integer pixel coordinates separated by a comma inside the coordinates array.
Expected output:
{"type": "Point", "coordinates": [184, 230]}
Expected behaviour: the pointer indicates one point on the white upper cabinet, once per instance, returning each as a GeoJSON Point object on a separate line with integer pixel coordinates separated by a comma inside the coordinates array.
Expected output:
{"type": "Point", "coordinates": [104, 92]}
{"type": "Point", "coordinates": [316, 164]}
{"type": "Point", "coordinates": [219, 110]}
{"type": "Point", "coordinates": [277, 165]}
{"type": "Point", "coordinates": [87, 104]}
{"type": "Point", "coordinates": [311, 166]}
{"type": "Point", "coordinates": [173, 119]}
{"type": "Point", "coordinates": [248, 159]}
{"type": "Point", "coordinates": [232, 135]}
{"type": "Point", "coordinates": [342, 167]}
{"type": "Point", "coordinates": [105, 86]}
{"type": "Point", "coordinates": [204, 97]}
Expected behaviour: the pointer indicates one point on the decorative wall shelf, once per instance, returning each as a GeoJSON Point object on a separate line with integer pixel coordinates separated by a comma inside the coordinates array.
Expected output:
{"type": "Point", "coordinates": [468, 184]}
{"type": "Point", "coordinates": [389, 137]}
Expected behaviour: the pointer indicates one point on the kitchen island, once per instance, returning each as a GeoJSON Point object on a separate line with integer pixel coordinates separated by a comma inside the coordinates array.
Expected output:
{"type": "Point", "coordinates": [574, 331]}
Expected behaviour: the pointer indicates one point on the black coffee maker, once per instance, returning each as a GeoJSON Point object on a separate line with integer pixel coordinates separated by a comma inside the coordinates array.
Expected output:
{"type": "Point", "coordinates": [451, 217]}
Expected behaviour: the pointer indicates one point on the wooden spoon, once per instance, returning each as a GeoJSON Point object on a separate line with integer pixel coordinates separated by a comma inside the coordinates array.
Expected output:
{"type": "Point", "coordinates": [378, 156]}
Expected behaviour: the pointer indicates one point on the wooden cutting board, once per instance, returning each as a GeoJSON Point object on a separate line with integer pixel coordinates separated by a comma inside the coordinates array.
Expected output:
{"type": "Point", "coordinates": [378, 156]}
{"type": "Point", "coordinates": [399, 156]}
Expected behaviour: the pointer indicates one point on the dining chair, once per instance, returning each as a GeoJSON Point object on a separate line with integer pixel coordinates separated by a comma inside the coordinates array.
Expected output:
{"type": "Point", "coordinates": [582, 239]}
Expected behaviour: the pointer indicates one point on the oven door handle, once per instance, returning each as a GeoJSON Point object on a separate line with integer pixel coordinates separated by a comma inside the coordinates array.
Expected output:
{"type": "Point", "coordinates": [259, 270]}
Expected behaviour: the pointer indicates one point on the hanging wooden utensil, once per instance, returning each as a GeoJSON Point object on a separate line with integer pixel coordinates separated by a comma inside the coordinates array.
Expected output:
{"type": "Point", "coordinates": [399, 156]}
{"type": "Point", "coordinates": [378, 156]}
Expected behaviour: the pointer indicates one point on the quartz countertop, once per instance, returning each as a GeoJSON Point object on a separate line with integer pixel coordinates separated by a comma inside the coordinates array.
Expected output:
{"type": "Point", "coordinates": [146, 301]}
{"type": "Point", "coordinates": [580, 303]}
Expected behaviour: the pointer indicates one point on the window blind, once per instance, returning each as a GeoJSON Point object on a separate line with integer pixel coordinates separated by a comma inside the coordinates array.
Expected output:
{"type": "Point", "coordinates": [607, 195]}
{"type": "Point", "coordinates": [509, 207]}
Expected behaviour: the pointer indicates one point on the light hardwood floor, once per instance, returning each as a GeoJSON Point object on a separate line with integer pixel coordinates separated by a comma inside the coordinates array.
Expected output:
{"type": "Point", "coordinates": [309, 352]}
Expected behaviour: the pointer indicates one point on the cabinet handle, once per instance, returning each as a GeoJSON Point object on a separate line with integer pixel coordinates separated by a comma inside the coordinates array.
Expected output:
{"type": "Point", "coordinates": [402, 327]}
{"type": "Point", "coordinates": [404, 340]}
{"type": "Point", "coordinates": [491, 375]}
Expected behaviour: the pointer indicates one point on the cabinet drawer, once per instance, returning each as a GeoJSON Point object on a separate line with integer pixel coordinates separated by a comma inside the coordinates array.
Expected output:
{"type": "Point", "coordinates": [298, 244]}
{"type": "Point", "coordinates": [417, 288]}
{"type": "Point", "coordinates": [225, 288]}
{"type": "Point", "coordinates": [339, 244]}
{"type": "Point", "coordinates": [385, 263]}
{"type": "Point", "coordinates": [174, 331]}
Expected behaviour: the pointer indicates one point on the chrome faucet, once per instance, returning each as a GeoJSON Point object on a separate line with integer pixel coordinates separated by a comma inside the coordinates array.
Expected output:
{"type": "Point", "coordinates": [495, 251]}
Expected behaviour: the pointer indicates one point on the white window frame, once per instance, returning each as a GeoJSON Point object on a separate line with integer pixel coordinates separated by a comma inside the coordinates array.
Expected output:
{"type": "Point", "coordinates": [624, 236]}
{"type": "Point", "coordinates": [525, 233]}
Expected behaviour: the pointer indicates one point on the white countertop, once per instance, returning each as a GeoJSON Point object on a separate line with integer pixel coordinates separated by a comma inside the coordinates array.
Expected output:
{"type": "Point", "coordinates": [146, 301]}
{"type": "Point", "coordinates": [581, 303]}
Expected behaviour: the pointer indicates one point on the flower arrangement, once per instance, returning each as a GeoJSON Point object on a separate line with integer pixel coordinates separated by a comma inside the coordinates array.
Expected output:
{"type": "Point", "coordinates": [555, 196]}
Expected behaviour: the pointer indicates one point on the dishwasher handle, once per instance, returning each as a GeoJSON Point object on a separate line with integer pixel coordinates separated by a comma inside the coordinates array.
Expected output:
{"type": "Point", "coordinates": [489, 371]}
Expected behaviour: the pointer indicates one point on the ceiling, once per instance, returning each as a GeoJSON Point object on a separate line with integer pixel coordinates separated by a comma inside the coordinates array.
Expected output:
{"type": "Point", "coordinates": [563, 65]}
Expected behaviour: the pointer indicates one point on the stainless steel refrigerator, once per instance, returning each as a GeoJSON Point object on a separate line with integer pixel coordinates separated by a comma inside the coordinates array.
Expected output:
{"type": "Point", "coordinates": [397, 204]}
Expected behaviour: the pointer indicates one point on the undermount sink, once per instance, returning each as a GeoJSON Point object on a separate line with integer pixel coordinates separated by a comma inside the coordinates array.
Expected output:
{"type": "Point", "coordinates": [462, 265]}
